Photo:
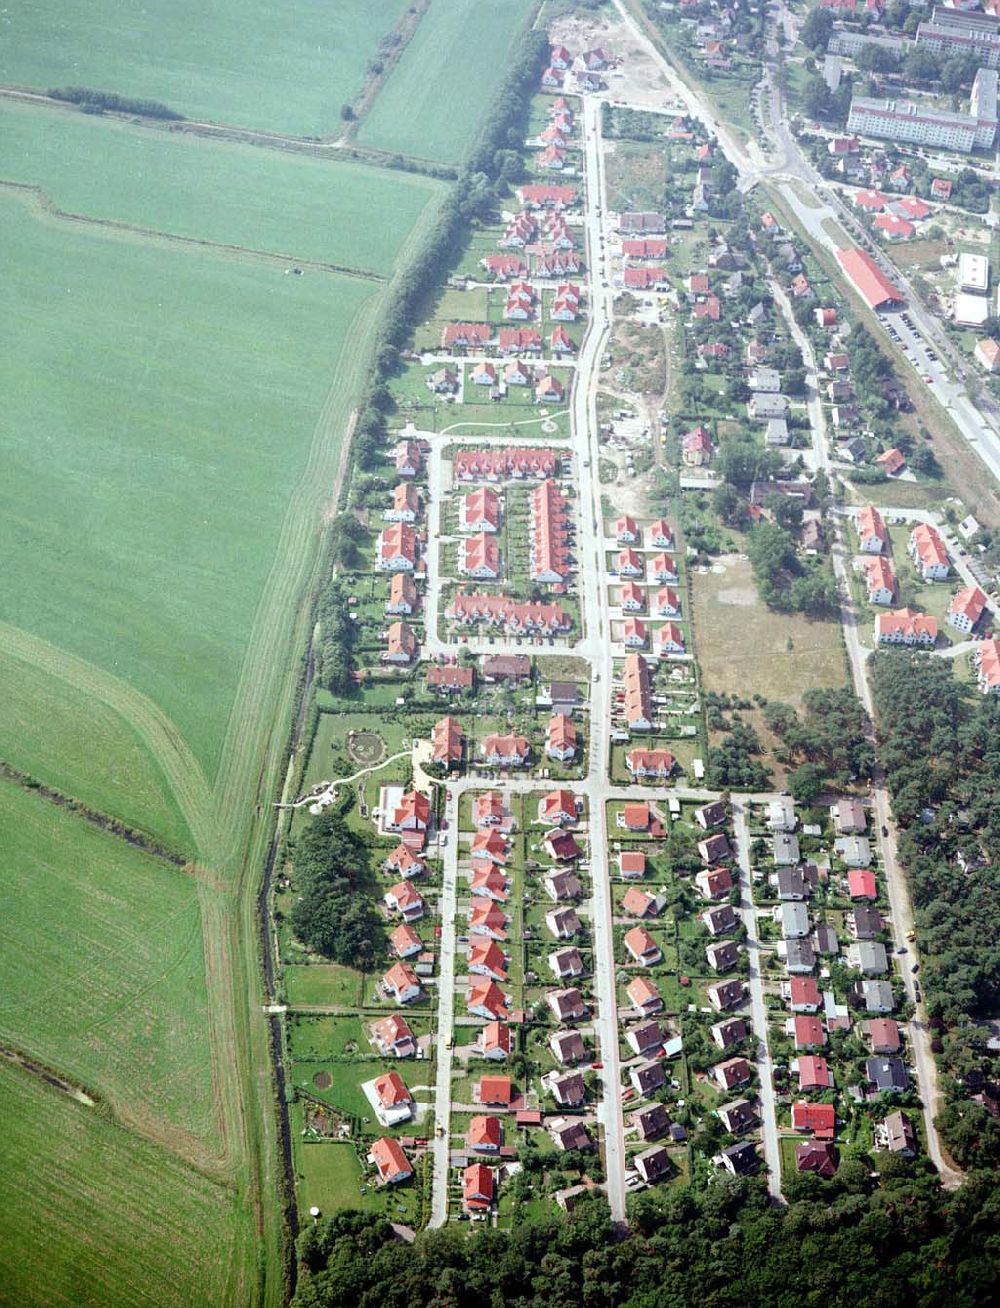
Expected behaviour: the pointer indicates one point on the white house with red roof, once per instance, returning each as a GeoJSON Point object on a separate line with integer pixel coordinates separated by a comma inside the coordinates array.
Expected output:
{"type": "Point", "coordinates": [510, 751]}
{"type": "Point", "coordinates": [405, 899]}
{"type": "Point", "coordinates": [396, 550]}
{"type": "Point", "coordinates": [479, 557]}
{"type": "Point", "coordinates": [558, 808]}
{"type": "Point", "coordinates": [479, 511]}
{"type": "Point", "coordinates": [966, 608]}
{"type": "Point", "coordinates": [393, 1035]}
{"type": "Point", "coordinates": [401, 984]}
{"type": "Point", "coordinates": [404, 941]}
{"type": "Point", "coordinates": [389, 1161]}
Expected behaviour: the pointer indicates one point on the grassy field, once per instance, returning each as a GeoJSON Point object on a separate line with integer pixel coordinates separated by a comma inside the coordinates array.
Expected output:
{"type": "Point", "coordinates": [144, 494]}
{"type": "Point", "coordinates": [745, 649]}
{"type": "Point", "coordinates": [102, 973]}
{"type": "Point", "coordinates": [85, 749]}
{"type": "Point", "coordinates": [343, 213]}
{"type": "Point", "coordinates": [156, 1232]}
{"type": "Point", "coordinates": [288, 69]}
{"type": "Point", "coordinates": [434, 98]}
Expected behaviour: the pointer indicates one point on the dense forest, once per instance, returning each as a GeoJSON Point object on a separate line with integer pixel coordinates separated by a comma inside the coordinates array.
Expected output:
{"type": "Point", "coordinates": [940, 746]}
{"type": "Point", "coordinates": [721, 1245]}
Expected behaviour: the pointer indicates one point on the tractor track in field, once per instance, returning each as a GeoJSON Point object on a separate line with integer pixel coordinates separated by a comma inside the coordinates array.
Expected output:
{"type": "Point", "coordinates": [41, 201]}
{"type": "Point", "coordinates": [334, 149]}
{"type": "Point", "coordinates": [180, 767]}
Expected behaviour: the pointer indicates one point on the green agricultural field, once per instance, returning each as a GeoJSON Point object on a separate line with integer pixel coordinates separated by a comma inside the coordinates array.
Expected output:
{"type": "Point", "coordinates": [156, 1232]}
{"type": "Point", "coordinates": [157, 428]}
{"type": "Point", "coordinates": [85, 749]}
{"type": "Point", "coordinates": [434, 98]}
{"type": "Point", "coordinates": [337, 212]}
{"type": "Point", "coordinates": [102, 973]}
{"type": "Point", "coordinates": [288, 68]}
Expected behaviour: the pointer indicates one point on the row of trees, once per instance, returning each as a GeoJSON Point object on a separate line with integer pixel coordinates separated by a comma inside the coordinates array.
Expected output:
{"type": "Point", "coordinates": [92, 101]}
{"type": "Point", "coordinates": [720, 1245]}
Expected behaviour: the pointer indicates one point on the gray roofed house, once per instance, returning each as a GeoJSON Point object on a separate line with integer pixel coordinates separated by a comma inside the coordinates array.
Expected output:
{"type": "Point", "coordinates": [849, 817]}
{"type": "Point", "coordinates": [651, 1122]}
{"type": "Point", "coordinates": [855, 850]}
{"type": "Point", "coordinates": [720, 919]}
{"type": "Point", "coordinates": [793, 920]}
{"type": "Point", "coordinates": [776, 434]}
{"type": "Point", "coordinates": [730, 1032]}
{"type": "Point", "coordinates": [766, 379]}
{"type": "Point", "coordinates": [653, 1164]}
{"type": "Point", "coordinates": [564, 692]}
{"type": "Point", "coordinates": [865, 922]}
{"type": "Point", "coordinates": [887, 1073]}
{"type": "Point", "coordinates": [900, 1137]}
{"type": "Point", "coordinates": [785, 848]}
{"type": "Point", "coordinates": [738, 1115]}
{"type": "Point", "coordinates": [644, 1036]}
{"type": "Point", "coordinates": [792, 884]}
{"type": "Point", "coordinates": [799, 956]}
{"type": "Point", "coordinates": [740, 1159]}
{"type": "Point", "coordinates": [647, 1077]}
{"type": "Point", "coordinates": [868, 956]}
{"type": "Point", "coordinates": [764, 405]}
{"type": "Point", "coordinates": [711, 815]}
{"type": "Point", "coordinates": [756, 314]}
{"type": "Point", "coordinates": [824, 939]}
{"type": "Point", "coordinates": [781, 814]}
{"type": "Point", "coordinates": [723, 955]}
{"type": "Point", "coordinates": [877, 996]}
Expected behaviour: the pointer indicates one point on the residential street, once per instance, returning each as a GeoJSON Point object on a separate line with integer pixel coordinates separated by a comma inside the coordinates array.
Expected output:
{"type": "Point", "coordinates": [758, 1008]}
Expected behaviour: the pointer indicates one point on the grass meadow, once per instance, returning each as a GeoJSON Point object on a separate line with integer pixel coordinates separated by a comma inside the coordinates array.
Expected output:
{"type": "Point", "coordinates": [161, 405]}
{"type": "Point", "coordinates": [156, 1232]}
{"type": "Point", "coordinates": [286, 68]}
{"type": "Point", "coordinates": [434, 98]}
{"type": "Point", "coordinates": [338, 212]}
{"type": "Point", "coordinates": [102, 973]}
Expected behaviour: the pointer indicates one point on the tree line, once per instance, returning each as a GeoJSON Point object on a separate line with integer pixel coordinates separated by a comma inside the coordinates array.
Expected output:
{"type": "Point", "coordinates": [92, 101]}
{"type": "Point", "coordinates": [940, 747]}
{"type": "Point", "coordinates": [717, 1244]}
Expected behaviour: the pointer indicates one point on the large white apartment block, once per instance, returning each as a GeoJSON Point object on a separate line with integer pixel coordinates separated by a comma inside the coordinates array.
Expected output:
{"type": "Point", "coordinates": [952, 32]}
{"type": "Point", "coordinates": [907, 120]}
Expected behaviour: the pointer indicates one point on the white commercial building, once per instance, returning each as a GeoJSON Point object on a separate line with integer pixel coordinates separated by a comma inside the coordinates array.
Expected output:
{"type": "Point", "coordinates": [974, 273]}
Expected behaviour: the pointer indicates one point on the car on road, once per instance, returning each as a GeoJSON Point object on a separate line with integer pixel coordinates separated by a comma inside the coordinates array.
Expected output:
{"type": "Point", "coordinates": [449, 1042]}
{"type": "Point", "coordinates": [917, 995]}
{"type": "Point", "coordinates": [597, 1067]}
{"type": "Point", "coordinates": [885, 830]}
{"type": "Point", "coordinates": [911, 935]}
{"type": "Point", "coordinates": [928, 378]}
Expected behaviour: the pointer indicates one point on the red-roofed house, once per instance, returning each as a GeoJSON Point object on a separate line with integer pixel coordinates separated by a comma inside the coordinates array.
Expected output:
{"type": "Point", "coordinates": [486, 999]}
{"type": "Point", "coordinates": [967, 608]}
{"type": "Point", "coordinates": [643, 948]}
{"type": "Point", "coordinates": [485, 1135]}
{"type": "Point", "coordinates": [390, 1161]}
{"type": "Point", "coordinates": [401, 983]}
{"type": "Point", "coordinates": [477, 1187]}
{"type": "Point", "coordinates": [494, 1041]}
{"type": "Point", "coordinates": [557, 808]}
{"type": "Point", "coordinates": [446, 742]}
{"type": "Point", "coordinates": [814, 1073]}
{"type": "Point", "coordinates": [808, 1031]}
{"type": "Point", "coordinates": [632, 863]}
{"type": "Point", "coordinates": [819, 1119]}
{"type": "Point", "coordinates": [861, 884]}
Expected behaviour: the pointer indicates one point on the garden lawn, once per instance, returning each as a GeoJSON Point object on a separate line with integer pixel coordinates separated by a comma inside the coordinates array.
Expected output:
{"type": "Point", "coordinates": [85, 749]}
{"type": "Point", "coordinates": [102, 971]}
{"type": "Point", "coordinates": [157, 427]}
{"type": "Point", "coordinates": [433, 102]}
{"type": "Point", "coordinates": [342, 213]}
{"type": "Point", "coordinates": [289, 68]}
{"type": "Point", "coordinates": [91, 1215]}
